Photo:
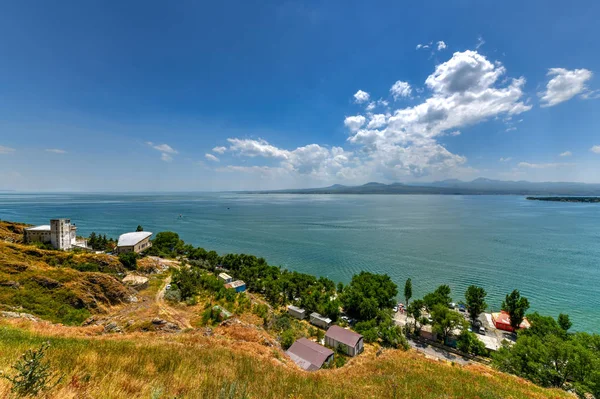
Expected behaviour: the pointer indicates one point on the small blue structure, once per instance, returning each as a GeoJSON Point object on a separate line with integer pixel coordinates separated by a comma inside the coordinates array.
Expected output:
{"type": "Point", "coordinates": [237, 285]}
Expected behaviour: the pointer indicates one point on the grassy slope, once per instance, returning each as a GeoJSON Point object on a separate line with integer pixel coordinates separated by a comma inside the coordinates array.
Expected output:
{"type": "Point", "coordinates": [56, 293]}
{"type": "Point", "coordinates": [190, 365]}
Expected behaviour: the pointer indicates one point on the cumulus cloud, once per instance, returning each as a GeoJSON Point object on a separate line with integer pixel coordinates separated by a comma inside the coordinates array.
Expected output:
{"type": "Point", "coordinates": [566, 154]}
{"type": "Point", "coordinates": [211, 157]}
{"type": "Point", "coordinates": [564, 85]}
{"type": "Point", "coordinates": [219, 150]}
{"type": "Point", "coordinates": [403, 143]}
{"type": "Point", "coordinates": [441, 45]}
{"type": "Point", "coordinates": [354, 123]}
{"type": "Point", "coordinates": [166, 151]}
{"type": "Point", "coordinates": [400, 89]}
{"type": "Point", "coordinates": [361, 97]}
{"type": "Point", "coordinates": [507, 159]}
{"type": "Point", "coordinates": [55, 151]}
{"type": "Point", "coordinates": [371, 106]}
{"type": "Point", "coordinates": [6, 150]}
{"type": "Point", "coordinates": [595, 149]}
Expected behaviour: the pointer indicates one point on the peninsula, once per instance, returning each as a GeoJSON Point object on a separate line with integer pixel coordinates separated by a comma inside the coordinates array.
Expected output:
{"type": "Point", "coordinates": [567, 199]}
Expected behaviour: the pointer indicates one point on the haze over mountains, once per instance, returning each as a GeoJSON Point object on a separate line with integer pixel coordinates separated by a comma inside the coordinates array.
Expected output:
{"type": "Point", "coordinates": [478, 186]}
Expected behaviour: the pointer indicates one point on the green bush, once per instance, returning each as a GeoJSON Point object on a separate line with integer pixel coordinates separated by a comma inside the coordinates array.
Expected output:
{"type": "Point", "coordinates": [129, 260]}
{"type": "Point", "coordinates": [287, 338]}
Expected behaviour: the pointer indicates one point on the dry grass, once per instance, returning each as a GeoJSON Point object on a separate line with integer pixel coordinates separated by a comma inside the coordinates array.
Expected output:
{"type": "Point", "coordinates": [190, 365]}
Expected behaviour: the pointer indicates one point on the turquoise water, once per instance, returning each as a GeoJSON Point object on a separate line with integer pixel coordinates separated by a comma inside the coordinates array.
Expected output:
{"type": "Point", "coordinates": [549, 251]}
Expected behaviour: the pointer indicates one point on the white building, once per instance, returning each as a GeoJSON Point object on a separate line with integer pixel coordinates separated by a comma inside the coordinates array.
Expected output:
{"type": "Point", "coordinates": [136, 241]}
{"type": "Point", "coordinates": [61, 234]}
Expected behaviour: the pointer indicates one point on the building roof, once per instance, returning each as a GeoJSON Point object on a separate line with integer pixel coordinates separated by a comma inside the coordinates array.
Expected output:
{"type": "Point", "coordinates": [504, 318]}
{"type": "Point", "coordinates": [129, 239]}
{"type": "Point", "coordinates": [308, 355]}
{"type": "Point", "coordinates": [320, 317]}
{"type": "Point", "coordinates": [225, 276]}
{"type": "Point", "coordinates": [44, 227]}
{"type": "Point", "coordinates": [235, 284]}
{"type": "Point", "coordinates": [343, 335]}
{"type": "Point", "coordinates": [296, 309]}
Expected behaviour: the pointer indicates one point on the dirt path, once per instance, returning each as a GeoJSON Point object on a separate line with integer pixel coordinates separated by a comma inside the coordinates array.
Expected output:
{"type": "Point", "coordinates": [167, 312]}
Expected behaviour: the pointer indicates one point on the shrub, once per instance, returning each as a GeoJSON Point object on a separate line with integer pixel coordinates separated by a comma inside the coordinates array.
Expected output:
{"type": "Point", "coordinates": [33, 374]}
{"type": "Point", "coordinates": [129, 260]}
{"type": "Point", "coordinates": [287, 338]}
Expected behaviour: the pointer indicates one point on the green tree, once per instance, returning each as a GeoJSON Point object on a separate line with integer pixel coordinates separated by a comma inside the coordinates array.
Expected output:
{"type": "Point", "coordinates": [475, 297]}
{"type": "Point", "coordinates": [415, 310]}
{"type": "Point", "coordinates": [469, 343]}
{"type": "Point", "coordinates": [445, 321]}
{"type": "Point", "coordinates": [129, 260]}
{"type": "Point", "coordinates": [516, 306]}
{"type": "Point", "coordinates": [368, 293]}
{"type": "Point", "coordinates": [287, 338]}
{"type": "Point", "coordinates": [441, 296]}
{"type": "Point", "coordinates": [139, 228]}
{"type": "Point", "coordinates": [564, 322]}
{"type": "Point", "coordinates": [407, 290]}
{"type": "Point", "coordinates": [167, 243]}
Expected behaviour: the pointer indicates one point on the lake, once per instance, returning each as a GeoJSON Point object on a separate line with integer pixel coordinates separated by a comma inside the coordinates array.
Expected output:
{"type": "Point", "coordinates": [550, 251]}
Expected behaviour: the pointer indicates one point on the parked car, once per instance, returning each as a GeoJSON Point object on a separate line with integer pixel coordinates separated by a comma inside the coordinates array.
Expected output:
{"type": "Point", "coordinates": [168, 287]}
{"type": "Point", "coordinates": [395, 308]}
{"type": "Point", "coordinates": [482, 330]}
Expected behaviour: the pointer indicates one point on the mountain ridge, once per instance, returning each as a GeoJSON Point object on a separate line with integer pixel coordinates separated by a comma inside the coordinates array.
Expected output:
{"type": "Point", "coordinates": [478, 186]}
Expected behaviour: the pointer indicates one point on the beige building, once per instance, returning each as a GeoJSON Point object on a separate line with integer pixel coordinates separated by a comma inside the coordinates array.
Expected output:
{"type": "Point", "coordinates": [137, 242]}
{"type": "Point", "coordinates": [60, 233]}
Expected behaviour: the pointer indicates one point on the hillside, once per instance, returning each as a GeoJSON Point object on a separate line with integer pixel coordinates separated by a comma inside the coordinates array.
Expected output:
{"type": "Point", "coordinates": [117, 342]}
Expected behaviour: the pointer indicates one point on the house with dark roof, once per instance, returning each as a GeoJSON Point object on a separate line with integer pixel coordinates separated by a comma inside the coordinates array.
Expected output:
{"type": "Point", "coordinates": [351, 343]}
{"type": "Point", "coordinates": [309, 355]}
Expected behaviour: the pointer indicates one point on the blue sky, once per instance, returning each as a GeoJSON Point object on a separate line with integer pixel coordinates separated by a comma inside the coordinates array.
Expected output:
{"type": "Point", "coordinates": [189, 96]}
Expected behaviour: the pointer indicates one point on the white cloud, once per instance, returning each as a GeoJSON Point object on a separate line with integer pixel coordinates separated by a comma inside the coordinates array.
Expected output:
{"type": "Point", "coordinates": [480, 42]}
{"type": "Point", "coordinates": [361, 97]}
{"type": "Point", "coordinates": [354, 122]}
{"type": "Point", "coordinates": [543, 165]}
{"type": "Point", "coordinates": [507, 159]}
{"type": "Point", "coordinates": [371, 106]}
{"type": "Point", "coordinates": [510, 129]}
{"type": "Point", "coordinates": [211, 157]}
{"type": "Point", "coordinates": [595, 149]}
{"type": "Point", "coordinates": [566, 154]}
{"type": "Point", "coordinates": [564, 85]}
{"type": "Point", "coordinates": [6, 150]}
{"type": "Point", "coordinates": [377, 121]}
{"type": "Point", "coordinates": [441, 45]}
{"type": "Point", "coordinates": [219, 150]}
{"type": "Point", "coordinates": [423, 46]}
{"type": "Point", "coordinates": [454, 133]}
{"type": "Point", "coordinates": [402, 143]}
{"type": "Point", "coordinates": [166, 151]}
{"type": "Point", "coordinates": [400, 89]}
{"type": "Point", "coordinates": [56, 150]}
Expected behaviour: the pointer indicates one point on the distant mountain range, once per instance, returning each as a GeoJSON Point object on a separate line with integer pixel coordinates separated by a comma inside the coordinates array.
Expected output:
{"type": "Point", "coordinates": [478, 186]}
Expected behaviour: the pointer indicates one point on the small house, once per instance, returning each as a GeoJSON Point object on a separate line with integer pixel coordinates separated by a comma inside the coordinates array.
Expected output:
{"type": "Point", "coordinates": [502, 321]}
{"type": "Point", "coordinates": [136, 241]}
{"type": "Point", "coordinates": [320, 321]}
{"type": "Point", "coordinates": [349, 342]}
{"type": "Point", "coordinates": [309, 355]}
{"type": "Point", "coordinates": [237, 285]}
{"type": "Point", "coordinates": [222, 313]}
{"type": "Point", "coordinates": [428, 333]}
{"type": "Point", "coordinates": [297, 312]}
{"type": "Point", "coordinates": [225, 278]}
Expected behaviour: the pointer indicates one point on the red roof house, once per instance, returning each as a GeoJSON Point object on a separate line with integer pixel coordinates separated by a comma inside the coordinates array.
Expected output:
{"type": "Point", "coordinates": [502, 321]}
